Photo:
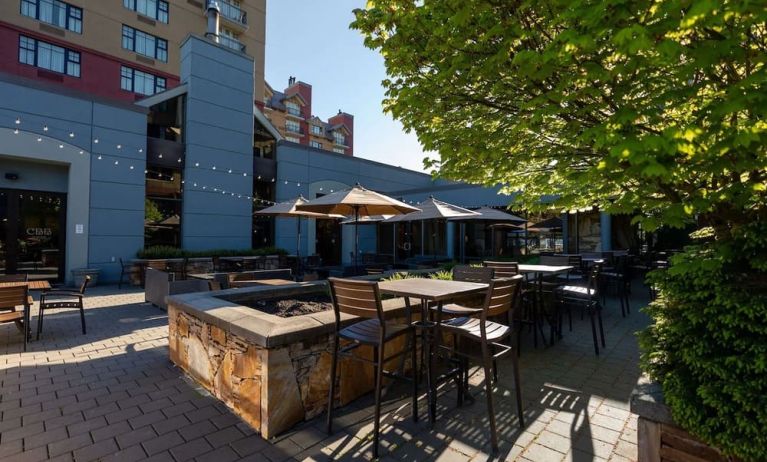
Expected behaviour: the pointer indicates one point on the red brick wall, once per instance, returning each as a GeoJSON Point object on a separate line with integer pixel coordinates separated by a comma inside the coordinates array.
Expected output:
{"type": "Point", "coordinates": [99, 73]}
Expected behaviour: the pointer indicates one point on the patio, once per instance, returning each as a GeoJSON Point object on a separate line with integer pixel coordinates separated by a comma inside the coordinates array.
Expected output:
{"type": "Point", "coordinates": [114, 395]}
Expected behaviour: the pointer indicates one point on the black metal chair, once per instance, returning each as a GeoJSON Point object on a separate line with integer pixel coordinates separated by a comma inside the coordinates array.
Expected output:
{"type": "Point", "coordinates": [502, 269]}
{"type": "Point", "coordinates": [362, 299]}
{"type": "Point", "coordinates": [62, 299]}
{"type": "Point", "coordinates": [12, 297]}
{"type": "Point", "coordinates": [500, 301]}
{"type": "Point", "coordinates": [618, 279]}
{"type": "Point", "coordinates": [586, 297]}
{"type": "Point", "coordinates": [127, 270]}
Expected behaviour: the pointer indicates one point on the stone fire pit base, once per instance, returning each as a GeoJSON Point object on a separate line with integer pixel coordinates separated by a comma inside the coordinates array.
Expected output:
{"type": "Point", "coordinates": [273, 372]}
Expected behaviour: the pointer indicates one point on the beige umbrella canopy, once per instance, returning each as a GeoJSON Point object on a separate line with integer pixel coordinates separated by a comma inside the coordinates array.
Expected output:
{"type": "Point", "coordinates": [491, 214]}
{"type": "Point", "coordinates": [433, 209]}
{"type": "Point", "coordinates": [289, 209]}
{"type": "Point", "coordinates": [357, 202]}
{"type": "Point", "coordinates": [366, 220]}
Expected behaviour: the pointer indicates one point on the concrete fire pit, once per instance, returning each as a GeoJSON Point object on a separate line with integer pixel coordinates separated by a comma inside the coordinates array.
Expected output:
{"type": "Point", "coordinates": [272, 371]}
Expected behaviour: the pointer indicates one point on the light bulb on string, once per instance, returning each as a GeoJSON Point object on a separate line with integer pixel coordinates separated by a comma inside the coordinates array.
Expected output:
{"type": "Point", "coordinates": [61, 146]}
{"type": "Point", "coordinates": [18, 121]}
{"type": "Point", "coordinates": [140, 150]}
{"type": "Point", "coordinates": [95, 141]}
{"type": "Point", "coordinates": [117, 162]}
{"type": "Point", "coordinates": [71, 134]}
{"type": "Point", "coordinates": [99, 157]}
{"type": "Point", "coordinates": [16, 132]}
{"type": "Point", "coordinates": [214, 167]}
{"type": "Point", "coordinates": [196, 164]}
{"type": "Point", "coordinates": [230, 170]}
{"type": "Point", "coordinates": [159, 156]}
{"type": "Point", "coordinates": [39, 139]}
{"type": "Point", "coordinates": [244, 174]}
{"type": "Point", "coordinates": [81, 152]}
{"type": "Point", "coordinates": [119, 146]}
{"type": "Point", "coordinates": [45, 128]}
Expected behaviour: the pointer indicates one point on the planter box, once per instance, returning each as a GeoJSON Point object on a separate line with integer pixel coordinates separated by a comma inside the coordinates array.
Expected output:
{"type": "Point", "coordinates": [659, 438]}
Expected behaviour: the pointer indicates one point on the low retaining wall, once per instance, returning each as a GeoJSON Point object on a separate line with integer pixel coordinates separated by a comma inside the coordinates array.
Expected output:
{"type": "Point", "coordinates": [659, 438]}
{"type": "Point", "coordinates": [273, 372]}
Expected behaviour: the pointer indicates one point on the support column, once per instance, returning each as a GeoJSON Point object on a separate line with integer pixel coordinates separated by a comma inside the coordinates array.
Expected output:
{"type": "Point", "coordinates": [449, 238]}
{"type": "Point", "coordinates": [565, 232]}
{"type": "Point", "coordinates": [605, 231]}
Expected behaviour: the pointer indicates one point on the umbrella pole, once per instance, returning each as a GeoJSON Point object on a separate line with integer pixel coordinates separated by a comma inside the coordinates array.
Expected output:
{"type": "Point", "coordinates": [356, 238]}
{"type": "Point", "coordinates": [298, 247]}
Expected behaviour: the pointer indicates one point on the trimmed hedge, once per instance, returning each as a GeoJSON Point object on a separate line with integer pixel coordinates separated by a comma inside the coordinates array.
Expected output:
{"type": "Point", "coordinates": [163, 251]}
{"type": "Point", "coordinates": [708, 343]}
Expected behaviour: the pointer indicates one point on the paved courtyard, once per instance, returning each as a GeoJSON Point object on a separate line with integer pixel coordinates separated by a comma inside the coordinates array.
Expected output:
{"type": "Point", "coordinates": [114, 395]}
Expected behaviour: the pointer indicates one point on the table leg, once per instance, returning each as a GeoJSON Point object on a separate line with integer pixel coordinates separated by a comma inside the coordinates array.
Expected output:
{"type": "Point", "coordinates": [539, 314]}
{"type": "Point", "coordinates": [434, 348]}
{"type": "Point", "coordinates": [426, 344]}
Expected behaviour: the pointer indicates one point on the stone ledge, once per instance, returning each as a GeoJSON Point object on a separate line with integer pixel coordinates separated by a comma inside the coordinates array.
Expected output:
{"type": "Point", "coordinates": [647, 401]}
{"type": "Point", "coordinates": [221, 309]}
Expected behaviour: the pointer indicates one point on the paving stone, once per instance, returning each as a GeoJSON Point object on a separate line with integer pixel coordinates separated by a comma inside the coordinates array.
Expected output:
{"type": "Point", "coordinates": [224, 436]}
{"type": "Point", "coordinates": [69, 444]}
{"type": "Point", "coordinates": [192, 449]}
{"type": "Point", "coordinates": [110, 431]}
{"type": "Point", "coordinates": [197, 430]}
{"type": "Point", "coordinates": [42, 439]}
{"type": "Point", "coordinates": [131, 454]}
{"type": "Point", "coordinates": [222, 454]}
{"type": "Point", "coordinates": [161, 443]}
{"type": "Point", "coordinates": [96, 451]}
{"type": "Point", "coordinates": [136, 437]}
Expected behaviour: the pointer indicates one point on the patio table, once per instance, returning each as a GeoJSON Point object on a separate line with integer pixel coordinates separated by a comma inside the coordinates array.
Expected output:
{"type": "Point", "coordinates": [539, 271]}
{"type": "Point", "coordinates": [429, 290]}
{"type": "Point", "coordinates": [41, 284]}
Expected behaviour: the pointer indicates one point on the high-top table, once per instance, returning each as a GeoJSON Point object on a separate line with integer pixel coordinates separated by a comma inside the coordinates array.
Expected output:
{"type": "Point", "coordinates": [539, 271]}
{"type": "Point", "coordinates": [429, 290]}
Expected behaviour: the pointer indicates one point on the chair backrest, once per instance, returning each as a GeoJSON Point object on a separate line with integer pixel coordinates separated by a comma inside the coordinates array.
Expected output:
{"type": "Point", "coordinates": [13, 296]}
{"type": "Point", "coordinates": [355, 297]}
{"type": "Point", "coordinates": [576, 261]}
{"type": "Point", "coordinates": [501, 296]}
{"type": "Point", "coordinates": [14, 278]}
{"type": "Point", "coordinates": [85, 283]}
{"type": "Point", "coordinates": [503, 269]}
{"type": "Point", "coordinates": [554, 260]}
{"type": "Point", "coordinates": [466, 273]}
{"type": "Point", "coordinates": [593, 280]}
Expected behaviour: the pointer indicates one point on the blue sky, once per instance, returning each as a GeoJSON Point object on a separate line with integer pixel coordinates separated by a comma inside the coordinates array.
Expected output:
{"type": "Point", "coordinates": [311, 39]}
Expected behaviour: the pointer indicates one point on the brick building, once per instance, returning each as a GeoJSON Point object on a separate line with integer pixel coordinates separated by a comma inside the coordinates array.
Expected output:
{"type": "Point", "coordinates": [290, 111]}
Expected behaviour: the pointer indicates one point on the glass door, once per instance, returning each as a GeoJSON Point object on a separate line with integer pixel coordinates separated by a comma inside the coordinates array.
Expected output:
{"type": "Point", "coordinates": [32, 233]}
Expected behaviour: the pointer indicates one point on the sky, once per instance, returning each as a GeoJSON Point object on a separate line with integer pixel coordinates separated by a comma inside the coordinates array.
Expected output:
{"type": "Point", "coordinates": [311, 40]}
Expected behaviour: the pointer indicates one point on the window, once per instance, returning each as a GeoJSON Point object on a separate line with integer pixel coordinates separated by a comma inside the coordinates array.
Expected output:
{"type": "Point", "coordinates": [315, 144]}
{"type": "Point", "coordinates": [155, 9]}
{"type": "Point", "coordinates": [292, 139]}
{"type": "Point", "coordinates": [293, 126]}
{"type": "Point", "coordinates": [54, 12]}
{"type": "Point", "coordinates": [140, 82]}
{"type": "Point", "coordinates": [339, 150]}
{"type": "Point", "coordinates": [145, 44]}
{"type": "Point", "coordinates": [293, 108]}
{"type": "Point", "coordinates": [48, 56]}
{"type": "Point", "coordinates": [316, 130]}
{"type": "Point", "coordinates": [339, 137]}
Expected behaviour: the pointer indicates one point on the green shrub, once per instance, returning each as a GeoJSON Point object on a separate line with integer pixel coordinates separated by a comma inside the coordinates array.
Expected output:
{"type": "Point", "coordinates": [708, 343]}
{"type": "Point", "coordinates": [164, 251]}
{"type": "Point", "coordinates": [442, 275]}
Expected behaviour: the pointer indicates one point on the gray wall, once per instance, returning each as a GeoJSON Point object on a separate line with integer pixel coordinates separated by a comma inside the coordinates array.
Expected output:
{"type": "Point", "coordinates": [106, 198]}
{"type": "Point", "coordinates": [320, 172]}
{"type": "Point", "coordinates": [219, 132]}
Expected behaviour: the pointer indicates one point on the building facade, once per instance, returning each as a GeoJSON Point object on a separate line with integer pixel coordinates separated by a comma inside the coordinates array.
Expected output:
{"type": "Point", "coordinates": [290, 112]}
{"type": "Point", "coordinates": [120, 49]}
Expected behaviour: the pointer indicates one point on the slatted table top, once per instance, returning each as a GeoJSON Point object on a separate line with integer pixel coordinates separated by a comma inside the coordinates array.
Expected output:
{"type": "Point", "coordinates": [546, 269]}
{"type": "Point", "coordinates": [430, 289]}
{"type": "Point", "coordinates": [33, 285]}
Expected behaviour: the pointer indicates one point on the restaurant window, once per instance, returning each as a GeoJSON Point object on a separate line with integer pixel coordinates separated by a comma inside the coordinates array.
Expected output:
{"type": "Point", "coordinates": [54, 12]}
{"type": "Point", "coordinates": [263, 226]}
{"type": "Point", "coordinates": [316, 130]}
{"type": "Point", "coordinates": [140, 82]}
{"type": "Point", "coordinates": [315, 144]}
{"type": "Point", "coordinates": [292, 139]}
{"type": "Point", "coordinates": [144, 43]}
{"type": "Point", "coordinates": [48, 56]}
{"type": "Point", "coordinates": [155, 9]}
{"type": "Point", "coordinates": [385, 238]}
{"type": "Point", "coordinates": [434, 239]}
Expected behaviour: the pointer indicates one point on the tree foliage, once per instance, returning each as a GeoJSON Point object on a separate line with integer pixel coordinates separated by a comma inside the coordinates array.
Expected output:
{"type": "Point", "coordinates": [656, 109]}
{"type": "Point", "coordinates": [657, 106]}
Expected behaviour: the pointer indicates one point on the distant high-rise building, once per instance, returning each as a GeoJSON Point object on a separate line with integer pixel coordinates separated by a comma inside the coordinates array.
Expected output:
{"type": "Point", "coordinates": [290, 111]}
{"type": "Point", "coordinates": [123, 49]}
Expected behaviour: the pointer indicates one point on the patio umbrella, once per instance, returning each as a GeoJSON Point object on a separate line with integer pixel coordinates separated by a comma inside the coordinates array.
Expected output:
{"type": "Point", "coordinates": [366, 220]}
{"type": "Point", "coordinates": [289, 209]}
{"type": "Point", "coordinates": [551, 224]}
{"type": "Point", "coordinates": [433, 209]}
{"type": "Point", "coordinates": [358, 202]}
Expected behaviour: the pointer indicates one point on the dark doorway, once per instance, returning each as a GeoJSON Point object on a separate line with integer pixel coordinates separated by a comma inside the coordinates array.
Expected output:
{"type": "Point", "coordinates": [328, 241]}
{"type": "Point", "coordinates": [32, 233]}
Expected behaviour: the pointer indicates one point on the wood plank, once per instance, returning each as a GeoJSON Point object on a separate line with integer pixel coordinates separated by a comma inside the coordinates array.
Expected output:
{"type": "Point", "coordinates": [648, 437]}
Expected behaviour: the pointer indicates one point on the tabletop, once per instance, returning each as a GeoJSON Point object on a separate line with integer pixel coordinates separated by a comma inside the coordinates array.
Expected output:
{"type": "Point", "coordinates": [33, 285]}
{"type": "Point", "coordinates": [545, 269]}
{"type": "Point", "coordinates": [430, 289]}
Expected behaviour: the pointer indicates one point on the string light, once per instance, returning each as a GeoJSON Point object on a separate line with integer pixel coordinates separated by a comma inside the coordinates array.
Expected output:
{"type": "Point", "coordinates": [71, 134]}
{"type": "Point", "coordinates": [16, 132]}
{"type": "Point", "coordinates": [18, 121]}
{"type": "Point", "coordinates": [45, 128]}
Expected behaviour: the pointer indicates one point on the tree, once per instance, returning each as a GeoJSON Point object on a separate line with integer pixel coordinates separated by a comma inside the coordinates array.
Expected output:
{"type": "Point", "coordinates": [655, 109]}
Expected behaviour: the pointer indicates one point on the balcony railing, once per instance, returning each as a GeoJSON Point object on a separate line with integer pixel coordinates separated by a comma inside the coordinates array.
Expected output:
{"type": "Point", "coordinates": [296, 130]}
{"type": "Point", "coordinates": [233, 13]}
{"type": "Point", "coordinates": [231, 43]}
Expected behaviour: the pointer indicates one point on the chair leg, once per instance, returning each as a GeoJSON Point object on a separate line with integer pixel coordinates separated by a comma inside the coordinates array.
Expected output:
{"type": "Point", "coordinates": [379, 353]}
{"type": "Point", "coordinates": [518, 390]}
{"type": "Point", "coordinates": [331, 395]}
{"type": "Point", "coordinates": [39, 322]}
{"type": "Point", "coordinates": [82, 318]}
{"type": "Point", "coordinates": [26, 332]}
{"type": "Point", "coordinates": [594, 332]}
{"type": "Point", "coordinates": [415, 372]}
{"type": "Point", "coordinates": [487, 363]}
{"type": "Point", "coordinates": [120, 282]}
{"type": "Point", "coordinates": [601, 329]}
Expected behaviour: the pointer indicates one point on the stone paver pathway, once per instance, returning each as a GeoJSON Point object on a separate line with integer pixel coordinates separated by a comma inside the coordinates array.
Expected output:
{"type": "Point", "coordinates": [114, 395]}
